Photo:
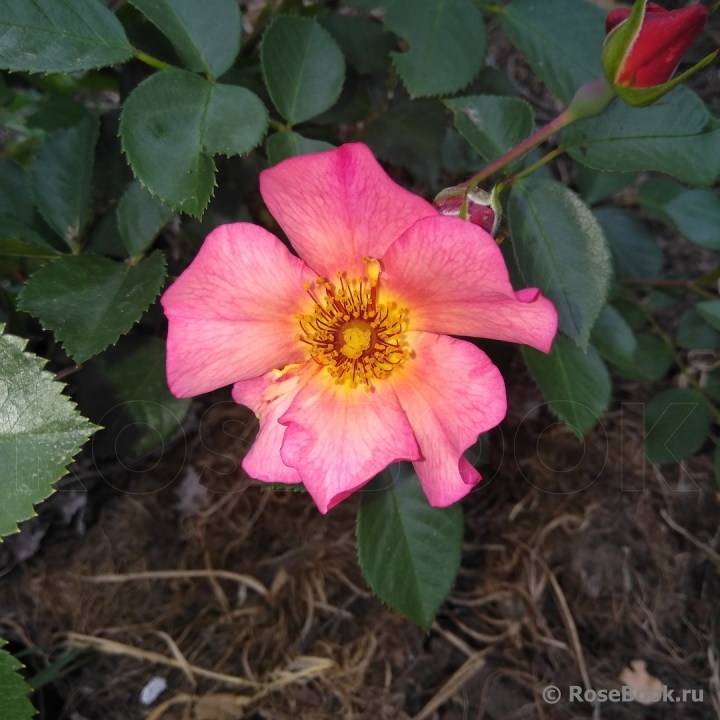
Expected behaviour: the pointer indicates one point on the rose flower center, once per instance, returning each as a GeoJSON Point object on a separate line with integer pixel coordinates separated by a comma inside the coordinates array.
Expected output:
{"type": "Point", "coordinates": [356, 337]}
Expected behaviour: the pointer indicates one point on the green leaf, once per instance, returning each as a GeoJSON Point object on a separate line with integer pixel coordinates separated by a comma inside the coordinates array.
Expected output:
{"type": "Point", "coordinates": [676, 424]}
{"type": "Point", "coordinates": [364, 42]}
{"type": "Point", "coordinates": [69, 36]}
{"type": "Point", "coordinates": [174, 122]}
{"type": "Point", "coordinates": [140, 218]}
{"type": "Point", "coordinates": [694, 333]}
{"type": "Point", "coordinates": [124, 389]}
{"type": "Point", "coordinates": [595, 186]}
{"type": "Point", "coordinates": [205, 34]}
{"type": "Point", "coordinates": [576, 385]}
{"type": "Point", "coordinates": [668, 137]}
{"type": "Point", "coordinates": [89, 301]}
{"type": "Point", "coordinates": [61, 179]}
{"type": "Point", "coordinates": [283, 145]}
{"type": "Point", "coordinates": [40, 432]}
{"type": "Point", "coordinates": [694, 213]}
{"type": "Point", "coordinates": [492, 124]}
{"type": "Point", "coordinates": [651, 361]}
{"type": "Point", "coordinates": [709, 311]}
{"type": "Point", "coordinates": [635, 252]}
{"type": "Point", "coordinates": [57, 112]}
{"type": "Point", "coordinates": [561, 39]}
{"type": "Point", "coordinates": [15, 196]}
{"type": "Point", "coordinates": [410, 133]}
{"type": "Point", "coordinates": [303, 66]}
{"type": "Point", "coordinates": [409, 552]}
{"type": "Point", "coordinates": [14, 690]}
{"type": "Point", "coordinates": [15, 235]}
{"type": "Point", "coordinates": [447, 44]}
{"type": "Point", "coordinates": [613, 337]}
{"type": "Point", "coordinates": [559, 247]}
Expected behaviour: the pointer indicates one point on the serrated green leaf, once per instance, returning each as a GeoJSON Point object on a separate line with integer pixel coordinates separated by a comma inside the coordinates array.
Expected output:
{"type": "Point", "coordinates": [363, 41]}
{"type": "Point", "coordinates": [61, 179]}
{"type": "Point", "coordinates": [14, 690]}
{"type": "Point", "coordinates": [613, 337]}
{"type": "Point", "coordinates": [635, 252]}
{"type": "Point", "coordinates": [174, 122]}
{"type": "Point", "coordinates": [447, 44]}
{"type": "Point", "coordinates": [89, 301]}
{"type": "Point", "coordinates": [561, 39]}
{"type": "Point", "coordinates": [651, 361]}
{"type": "Point", "coordinates": [694, 213]}
{"type": "Point", "coordinates": [205, 34]}
{"type": "Point", "coordinates": [669, 137]}
{"type": "Point", "coordinates": [696, 334]}
{"type": "Point", "coordinates": [283, 145]}
{"type": "Point", "coordinates": [303, 66]}
{"type": "Point", "coordinates": [575, 384]}
{"type": "Point", "coordinates": [709, 311]}
{"type": "Point", "coordinates": [595, 186]}
{"type": "Point", "coordinates": [69, 36]}
{"type": "Point", "coordinates": [57, 112]}
{"type": "Point", "coordinates": [124, 389]}
{"type": "Point", "coordinates": [677, 422]}
{"type": "Point", "coordinates": [40, 432]}
{"type": "Point", "coordinates": [15, 196]}
{"type": "Point", "coordinates": [560, 247]}
{"type": "Point", "coordinates": [140, 218]}
{"type": "Point", "coordinates": [492, 124]}
{"type": "Point", "coordinates": [409, 552]}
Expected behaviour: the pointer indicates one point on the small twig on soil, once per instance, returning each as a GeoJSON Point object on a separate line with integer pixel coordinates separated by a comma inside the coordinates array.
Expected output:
{"type": "Point", "coordinates": [246, 580]}
{"type": "Point", "coordinates": [177, 654]}
{"type": "Point", "coordinates": [455, 683]}
{"type": "Point", "coordinates": [454, 640]}
{"type": "Point", "coordinates": [688, 536]}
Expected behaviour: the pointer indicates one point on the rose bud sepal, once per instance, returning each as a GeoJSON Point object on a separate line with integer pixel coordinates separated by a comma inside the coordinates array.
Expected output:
{"type": "Point", "coordinates": [478, 206]}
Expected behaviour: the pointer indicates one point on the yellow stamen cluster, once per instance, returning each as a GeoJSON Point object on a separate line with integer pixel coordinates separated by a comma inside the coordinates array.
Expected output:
{"type": "Point", "coordinates": [355, 337]}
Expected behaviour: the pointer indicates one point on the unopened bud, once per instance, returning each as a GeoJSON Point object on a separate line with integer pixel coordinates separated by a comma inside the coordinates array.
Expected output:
{"type": "Point", "coordinates": [483, 208]}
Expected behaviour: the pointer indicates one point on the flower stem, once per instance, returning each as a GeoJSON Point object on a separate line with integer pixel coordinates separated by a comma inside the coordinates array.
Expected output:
{"type": "Point", "coordinates": [529, 170]}
{"type": "Point", "coordinates": [591, 99]}
{"type": "Point", "coordinates": [152, 61]}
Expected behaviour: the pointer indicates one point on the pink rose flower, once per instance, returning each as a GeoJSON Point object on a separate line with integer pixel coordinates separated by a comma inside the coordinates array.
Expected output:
{"type": "Point", "coordinates": [345, 353]}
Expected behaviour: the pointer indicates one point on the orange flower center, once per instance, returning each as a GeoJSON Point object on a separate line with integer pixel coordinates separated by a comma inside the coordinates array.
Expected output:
{"type": "Point", "coordinates": [355, 337]}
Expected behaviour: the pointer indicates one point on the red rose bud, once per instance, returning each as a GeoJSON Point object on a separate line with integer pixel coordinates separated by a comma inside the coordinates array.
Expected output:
{"type": "Point", "coordinates": [483, 209]}
{"type": "Point", "coordinates": [644, 47]}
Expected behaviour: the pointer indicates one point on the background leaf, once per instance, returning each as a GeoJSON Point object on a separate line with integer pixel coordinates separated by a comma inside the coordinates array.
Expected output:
{"type": "Point", "coordinates": [409, 552]}
{"type": "Point", "coordinates": [694, 213]}
{"type": "Point", "coordinates": [15, 196]}
{"type": "Point", "coordinates": [677, 422]}
{"type": "Point", "coordinates": [492, 124]}
{"type": "Point", "coordinates": [175, 121]}
{"type": "Point", "coordinates": [303, 67]}
{"type": "Point", "coordinates": [447, 44]}
{"type": "Point", "coordinates": [613, 337]}
{"type": "Point", "coordinates": [89, 301]}
{"type": "Point", "coordinates": [669, 137]}
{"type": "Point", "coordinates": [61, 179]}
{"type": "Point", "coordinates": [363, 41]}
{"type": "Point", "coordinates": [575, 384]}
{"type": "Point", "coordinates": [709, 311]}
{"type": "Point", "coordinates": [651, 361]}
{"type": "Point", "coordinates": [635, 252]}
{"type": "Point", "coordinates": [68, 36]}
{"type": "Point", "coordinates": [595, 185]}
{"type": "Point", "coordinates": [14, 690]}
{"type": "Point", "coordinates": [205, 34]}
{"type": "Point", "coordinates": [283, 145]}
{"type": "Point", "coordinates": [140, 218]}
{"type": "Point", "coordinates": [559, 247]}
{"type": "Point", "coordinates": [695, 333]}
{"type": "Point", "coordinates": [561, 39]}
{"type": "Point", "coordinates": [40, 432]}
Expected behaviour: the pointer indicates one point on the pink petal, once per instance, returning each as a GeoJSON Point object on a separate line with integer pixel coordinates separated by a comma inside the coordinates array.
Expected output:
{"type": "Point", "coordinates": [269, 397]}
{"type": "Point", "coordinates": [452, 278]}
{"type": "Point", "coordinates": [232, 312]}
{"type": "Point", "coordinates": [338, 207]}
{"type": "Point", "coordinates": [339, 438]}
{"type": "Point", "coordinates": [451, 393]}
